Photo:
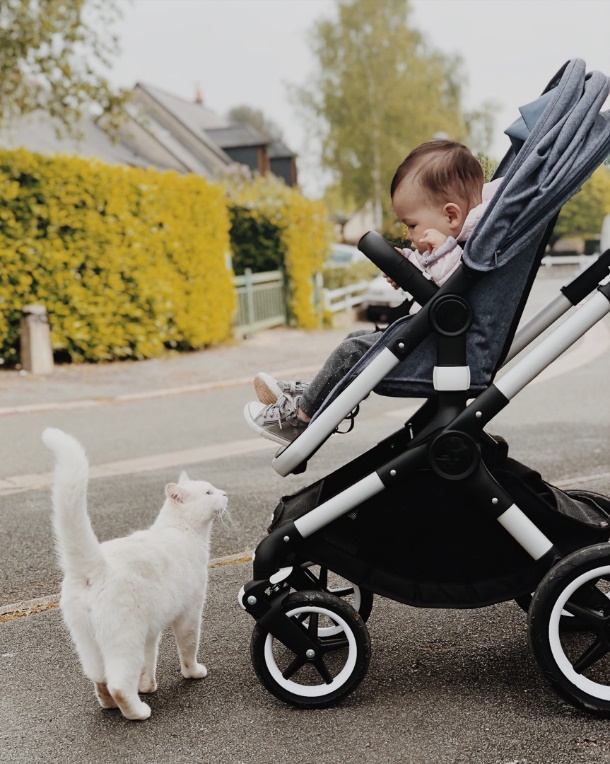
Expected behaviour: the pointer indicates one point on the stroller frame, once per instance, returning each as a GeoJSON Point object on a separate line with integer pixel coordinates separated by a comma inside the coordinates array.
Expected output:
{"type": "Point", "coordinates": [560, 547]}
{"type": "Point", "coordinates": [450, 442]}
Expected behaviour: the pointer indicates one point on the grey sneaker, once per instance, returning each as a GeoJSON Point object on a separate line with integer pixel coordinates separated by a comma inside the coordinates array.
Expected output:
{"type": "Point", "coordinates": [269, 389]}
{"type": "Point", "coordinates": [278, 421]}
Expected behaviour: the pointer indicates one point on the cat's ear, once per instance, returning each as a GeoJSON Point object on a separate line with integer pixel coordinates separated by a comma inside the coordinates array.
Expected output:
{"type": "Point", "coordinates": [177, 494]}
{"type": "Point", "coordinates": [184, 478]}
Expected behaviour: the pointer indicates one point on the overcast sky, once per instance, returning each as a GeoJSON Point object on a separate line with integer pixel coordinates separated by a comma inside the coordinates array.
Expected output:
{"type": "Point", "coordinates": [252, 51]}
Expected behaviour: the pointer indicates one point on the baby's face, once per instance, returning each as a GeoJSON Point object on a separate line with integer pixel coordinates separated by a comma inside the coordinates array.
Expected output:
{"type": "Point", "coordinates": [418, 213]}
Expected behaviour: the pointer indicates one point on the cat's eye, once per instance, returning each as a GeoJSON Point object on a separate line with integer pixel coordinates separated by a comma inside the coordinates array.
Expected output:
{"type": "Point", "coordinates": [209, 492]}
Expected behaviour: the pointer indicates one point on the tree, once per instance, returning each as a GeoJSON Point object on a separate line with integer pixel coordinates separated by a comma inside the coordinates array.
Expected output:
{"type": "Point", "coordinates": [378, 92]}
{"type": "Point", "coordinates": [51, 53]}
{"type": "Point", "coordinates": [584, 213]}
{"type": "Point", "coordinates": [247, 115]}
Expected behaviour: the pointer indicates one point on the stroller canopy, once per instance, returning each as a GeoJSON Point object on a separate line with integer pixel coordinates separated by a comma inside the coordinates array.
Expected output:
{"type": "Point", "coordinates": [565, 145]}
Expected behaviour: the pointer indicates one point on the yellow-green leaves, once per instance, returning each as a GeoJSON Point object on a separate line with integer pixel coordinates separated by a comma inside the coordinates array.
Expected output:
{"type": "Point", "coordinates": [128, 262]}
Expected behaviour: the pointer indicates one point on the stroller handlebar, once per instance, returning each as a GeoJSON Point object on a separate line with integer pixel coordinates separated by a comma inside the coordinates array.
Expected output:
{"type": "Point", "coordinates": [586, 282]}
{"type": "Point", "coordinates": [398, 268]}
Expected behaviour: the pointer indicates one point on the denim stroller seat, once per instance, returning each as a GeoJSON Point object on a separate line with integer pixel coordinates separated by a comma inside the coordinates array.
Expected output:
{"type": "Point", "coordinates": [438, 514]}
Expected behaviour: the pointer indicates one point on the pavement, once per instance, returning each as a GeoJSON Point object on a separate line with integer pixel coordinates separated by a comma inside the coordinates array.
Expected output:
{"type": "Point", "coordinates": [449, 687]}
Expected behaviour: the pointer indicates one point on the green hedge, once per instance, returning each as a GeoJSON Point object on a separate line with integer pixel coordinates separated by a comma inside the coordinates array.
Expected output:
{"type": "Point", "coordinates": [128, 262]}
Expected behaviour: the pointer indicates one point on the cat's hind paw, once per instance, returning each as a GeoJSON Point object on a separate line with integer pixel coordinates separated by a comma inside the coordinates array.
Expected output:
{"type": "Point", "coordinates": [147, 685]}
{"type": "Point", "coordinates": [105, 699]}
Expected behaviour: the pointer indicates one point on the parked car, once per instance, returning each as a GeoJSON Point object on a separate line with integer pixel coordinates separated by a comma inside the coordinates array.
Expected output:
{"type": "Point", "coordinates": [344, 255]}
{"type": "Point", "coordinates": [381, 298]}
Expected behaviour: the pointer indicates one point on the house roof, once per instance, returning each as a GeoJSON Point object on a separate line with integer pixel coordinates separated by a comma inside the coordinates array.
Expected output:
{"type": "Point", "coordinates": [238, 135]}
{"type": "Point", "coordinates": [195, 115]}
{"type": "Point", "coordinates": [38, 132]}
{"type": "Point", "coordinates": [161, 130]}
{"type": "Point", "coordinates": [279, 150]}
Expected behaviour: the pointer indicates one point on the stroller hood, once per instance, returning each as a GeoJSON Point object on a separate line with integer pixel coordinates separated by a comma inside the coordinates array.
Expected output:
{"type": "Point", "coordinates": [567, 142]}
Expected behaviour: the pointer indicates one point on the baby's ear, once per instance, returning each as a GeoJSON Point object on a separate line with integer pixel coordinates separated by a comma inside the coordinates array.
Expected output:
{"type": "Point", "coordinates": [177, 494]}
{"type": "Point", "coordinates": [183, 478]}
{"type": "Point", "coordinates": [455, 216]}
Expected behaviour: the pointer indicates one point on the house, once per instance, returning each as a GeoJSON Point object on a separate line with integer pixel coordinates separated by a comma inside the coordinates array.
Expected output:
{"type": "Point", "coordinates": [162, 131]}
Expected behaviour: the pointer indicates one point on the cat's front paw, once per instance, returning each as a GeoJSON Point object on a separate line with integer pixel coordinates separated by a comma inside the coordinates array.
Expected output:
{"type": "Point", "coordinates": [198, 671]}
{"type": "Point", "coordinates": [147, 684]}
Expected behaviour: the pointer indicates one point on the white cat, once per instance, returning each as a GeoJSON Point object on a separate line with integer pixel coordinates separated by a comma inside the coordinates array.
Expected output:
{"type": "Point", "coordinates": [118, 596]}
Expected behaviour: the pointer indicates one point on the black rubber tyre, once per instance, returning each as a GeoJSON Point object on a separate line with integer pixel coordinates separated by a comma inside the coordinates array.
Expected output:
{"type": "Point", "coordinates": [575, 662]}
{"type": "Point", "coordinates": [360, 599]}
{"type": "Point", "coordinates": [341, 661]}
{"type": "Point", "coordinates": [568, 621]}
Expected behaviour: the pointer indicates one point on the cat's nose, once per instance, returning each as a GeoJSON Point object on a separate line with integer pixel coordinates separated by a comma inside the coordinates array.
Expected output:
{"type": "Point", "coordinates": [224, 493]}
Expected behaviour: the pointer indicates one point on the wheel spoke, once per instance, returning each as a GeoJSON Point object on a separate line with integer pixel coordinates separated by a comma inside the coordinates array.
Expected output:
{"type": "Point", "coordinates": [593, 654]}
{"type": "Point", "coordinates": [323, 670]}
{"type": "Point", "coordinates": [330, 644]}
{"type": "Point", "coordinates": [586, 614]}
{"type": "Point", "coordinates": [591, 597]}
{"type": "Point", "coordinates": [312, 629]}
{"type": "Point", "coordinates": [292, 669]}
{"type": "Point", "coordinates": [323, 580]}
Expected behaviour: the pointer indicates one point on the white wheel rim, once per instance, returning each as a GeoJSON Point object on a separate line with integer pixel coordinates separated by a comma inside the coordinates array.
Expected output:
{"type": "Point", "coordinates": [317, 690]}
{"type": "Point", "coordinates": [331, 631]}
{"type": "Point", "coordinates": [600, 691]}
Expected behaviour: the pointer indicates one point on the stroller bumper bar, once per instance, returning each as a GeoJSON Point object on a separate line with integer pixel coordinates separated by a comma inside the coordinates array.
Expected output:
{"type": "Point", "coordinates": [323, 425]}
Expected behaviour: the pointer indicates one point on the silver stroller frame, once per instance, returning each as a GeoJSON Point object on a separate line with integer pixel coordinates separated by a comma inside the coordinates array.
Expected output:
{"type": "Point", "coordinates": [559, 547]}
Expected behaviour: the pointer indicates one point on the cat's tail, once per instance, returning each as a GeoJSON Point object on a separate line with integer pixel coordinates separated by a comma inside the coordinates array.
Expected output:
{"type": "Point", "coordinates": [79, 550]}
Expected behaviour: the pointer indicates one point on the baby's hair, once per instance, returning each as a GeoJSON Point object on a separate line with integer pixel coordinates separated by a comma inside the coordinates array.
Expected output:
{"type": "Point", "coordinates": [445, 170]}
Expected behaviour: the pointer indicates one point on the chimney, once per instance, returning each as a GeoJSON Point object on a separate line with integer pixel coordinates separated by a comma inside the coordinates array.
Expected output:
{"type": "Point", "coordinates": [198, 95]}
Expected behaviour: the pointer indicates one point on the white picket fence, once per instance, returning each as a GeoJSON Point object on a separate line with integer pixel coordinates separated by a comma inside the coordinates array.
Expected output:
{"type": "Point", "coordinates": [261, 301]}
{"type": "Point", "coordinates": [582, 261]}
{"type": "Point", "coordinates": [345, 297]}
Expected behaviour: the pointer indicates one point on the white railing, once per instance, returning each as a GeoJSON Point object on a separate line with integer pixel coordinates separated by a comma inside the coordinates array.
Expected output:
{"type": "Point", "coordinates": [582, 261]}
{"type": "Point", "coordinates": [344, 297]}
{"type": "Point", "coordinates": [261, 301]}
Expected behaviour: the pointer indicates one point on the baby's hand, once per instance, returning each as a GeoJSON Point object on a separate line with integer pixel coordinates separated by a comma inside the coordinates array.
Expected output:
{"type": "Point", "coordinates": [387, 278]}
{"type": "Point", "coordinates": [432, 239]}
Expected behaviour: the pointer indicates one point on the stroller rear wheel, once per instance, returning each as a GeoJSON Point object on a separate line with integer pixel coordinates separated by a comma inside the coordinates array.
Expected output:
{"type": "Point", "coordinates": [575, 662]}
{"type": "Point", "coordinates": [340, 660]}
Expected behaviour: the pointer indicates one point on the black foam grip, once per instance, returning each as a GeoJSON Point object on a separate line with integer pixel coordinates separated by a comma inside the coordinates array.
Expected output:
{"type": "Point", "coordinates": [586, 282]}
{"type": "Point", "coordinates": [397, 267]}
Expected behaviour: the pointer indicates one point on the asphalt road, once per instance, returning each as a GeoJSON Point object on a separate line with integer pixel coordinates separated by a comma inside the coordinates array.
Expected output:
{"type": "Point", "coordinates": [443, 686]}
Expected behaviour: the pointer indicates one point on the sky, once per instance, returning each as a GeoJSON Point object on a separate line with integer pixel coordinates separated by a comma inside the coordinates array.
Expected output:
{"type": "Point", "coordinates": [254, 52]}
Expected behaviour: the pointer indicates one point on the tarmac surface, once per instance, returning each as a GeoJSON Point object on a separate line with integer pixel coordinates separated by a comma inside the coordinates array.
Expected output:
{"type": "Point", "coordinates": [443, 687]}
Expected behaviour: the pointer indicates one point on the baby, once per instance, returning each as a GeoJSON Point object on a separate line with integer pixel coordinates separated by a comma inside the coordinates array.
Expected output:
{"type": "Point", "coordinates": [438, 192]}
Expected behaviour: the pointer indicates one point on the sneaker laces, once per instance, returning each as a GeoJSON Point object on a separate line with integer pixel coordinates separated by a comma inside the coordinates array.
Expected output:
{"type": "Point", "coordinates": [295, 387]}
{"type": "Point", "coordinates": [283, 410]}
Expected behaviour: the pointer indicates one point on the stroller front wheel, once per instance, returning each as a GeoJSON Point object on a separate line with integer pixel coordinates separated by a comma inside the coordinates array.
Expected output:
{"type": "Point", "coordinates": [339, 662]}
{"type": "Point", "coordinates": [575, 662]}
{"type": "Point", "coordinates": [327, 581]}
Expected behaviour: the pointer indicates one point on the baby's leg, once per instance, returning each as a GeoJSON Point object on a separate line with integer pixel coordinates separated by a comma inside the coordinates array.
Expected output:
{"type": "Point", "coordinates": [336, 366]}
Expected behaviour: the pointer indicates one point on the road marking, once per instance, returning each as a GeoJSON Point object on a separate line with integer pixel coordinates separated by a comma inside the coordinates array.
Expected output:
{"type": "Point", "coordinates": [166, 392]}
{"type": "Point", "coordinates": [51, 601]}
{"type": "Point", "coordinates": [18, 483]}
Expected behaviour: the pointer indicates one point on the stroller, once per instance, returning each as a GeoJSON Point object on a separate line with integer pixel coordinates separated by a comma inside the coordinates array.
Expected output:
{"type": "Point", "coordinates": [437, 514]}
